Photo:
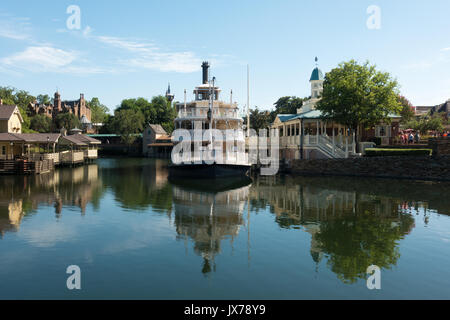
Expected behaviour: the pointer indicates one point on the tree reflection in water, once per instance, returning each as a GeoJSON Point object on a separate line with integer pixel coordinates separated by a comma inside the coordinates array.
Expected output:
{"type": "Point", "coordinates": [353, 222]}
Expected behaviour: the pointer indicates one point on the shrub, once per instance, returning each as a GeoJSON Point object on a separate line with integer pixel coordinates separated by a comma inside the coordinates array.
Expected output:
{"type": "Point", "coordinates": [374, 152]}
{"type": "Point", "coordinates": [376, 140]}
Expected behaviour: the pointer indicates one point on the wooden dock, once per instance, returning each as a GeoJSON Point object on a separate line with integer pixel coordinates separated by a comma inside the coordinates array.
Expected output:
{"type": "Point", "coordinates": [24, 167]}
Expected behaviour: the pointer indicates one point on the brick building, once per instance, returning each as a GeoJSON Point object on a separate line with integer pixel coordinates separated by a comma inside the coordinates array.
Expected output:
{"type": "Point", "coordinates": [76, 107]}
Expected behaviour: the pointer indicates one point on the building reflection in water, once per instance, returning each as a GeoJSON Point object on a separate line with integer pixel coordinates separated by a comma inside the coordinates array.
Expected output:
{"type": "Point", "coordinates": [22, 195]}
{"type": "Point", "coordinates": [353, 223]}
{"type": "Point", "coordinates": [208, 217]}
{"type": "Point", "coordinates": [353, 228]}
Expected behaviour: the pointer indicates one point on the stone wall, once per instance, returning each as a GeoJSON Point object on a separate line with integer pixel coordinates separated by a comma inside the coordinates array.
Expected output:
{"type": "Point", "coordinates": [440, 146]}
{"type": "Point", "coordinates": [418, 168]}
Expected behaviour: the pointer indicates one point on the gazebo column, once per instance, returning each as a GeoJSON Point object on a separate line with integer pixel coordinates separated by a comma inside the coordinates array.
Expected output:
{"type": "Point", "coordinates": [334, 145]}
{"type": "Point", "coordinates": [317, 132]}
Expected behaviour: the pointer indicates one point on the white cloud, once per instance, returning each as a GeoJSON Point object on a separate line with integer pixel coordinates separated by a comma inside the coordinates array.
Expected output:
{"type": "Point", "coordinates": [48, 59]}
{"type": "Point", "coordinates": [40, 58]}
{"type": "Point", "coordinates": [48, 234]}
{"type": "Point", "coordinates": [445, 49]}
{"type": "Point", "coordinates": [14, 27]}
{"type": "Point", "coordinates": [149, 56]}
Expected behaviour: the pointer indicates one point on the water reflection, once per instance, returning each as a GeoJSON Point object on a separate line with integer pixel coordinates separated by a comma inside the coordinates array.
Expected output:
{"type": "Point", "coordinates": [22, 196]}
{"type": "Point", "coordinates": [208, 213]}
{"type": "Point", "coordinates": [352, 223]}
{"type": "Point", "coordinates": [351, 228]}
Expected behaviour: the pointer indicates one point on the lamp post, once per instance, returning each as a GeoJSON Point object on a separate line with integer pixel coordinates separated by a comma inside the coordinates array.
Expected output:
{"type": "Point", "coordinates": [12, 150]}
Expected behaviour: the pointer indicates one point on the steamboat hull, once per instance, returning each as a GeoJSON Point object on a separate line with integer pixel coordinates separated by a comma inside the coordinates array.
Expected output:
{"type": "Point", "coordinates": [208, 171]}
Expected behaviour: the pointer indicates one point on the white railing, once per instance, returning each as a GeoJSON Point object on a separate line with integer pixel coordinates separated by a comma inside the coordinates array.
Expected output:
{"type": "Point", "coordinates": [44, 156]}
{"type": "Point", "coordinates": [334, 147]}
{"type": "Point", "coordinates": [91, 154]}
{"type": "Point", "coordinates": [71, 156]}
{"type": "Point", "coordinates": [203, 113]}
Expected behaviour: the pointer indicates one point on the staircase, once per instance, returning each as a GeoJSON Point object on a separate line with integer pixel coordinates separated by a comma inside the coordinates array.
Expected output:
{"type": "Point", "coordinates": [334, 147]}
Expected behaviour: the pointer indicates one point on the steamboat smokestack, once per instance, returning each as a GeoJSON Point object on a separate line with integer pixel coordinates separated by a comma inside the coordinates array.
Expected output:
{"type": "Point", "coordinates": [205, 67]}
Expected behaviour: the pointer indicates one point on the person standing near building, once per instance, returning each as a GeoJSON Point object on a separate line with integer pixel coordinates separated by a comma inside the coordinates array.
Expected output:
{"type": "Point", "coordinates": [411, 138]}
{"type": "Point", "coordinates": [417, 137]}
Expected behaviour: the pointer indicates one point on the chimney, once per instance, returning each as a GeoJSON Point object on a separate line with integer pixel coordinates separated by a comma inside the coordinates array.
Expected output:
{"type": "Point", "coordinates": [205, 66]}
{"type": "Point", "coordinates": [81, 96]}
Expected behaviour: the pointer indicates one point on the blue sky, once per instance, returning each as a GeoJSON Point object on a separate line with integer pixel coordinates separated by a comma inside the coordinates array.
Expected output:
{"type": "Point", "coordinates": [128, 49]}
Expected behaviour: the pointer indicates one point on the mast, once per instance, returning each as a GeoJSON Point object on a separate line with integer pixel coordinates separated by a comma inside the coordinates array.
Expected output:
{"type": "Point", "coordinates": [184, 100]}
{"type": "Point", "coordinates": [248, 101]}
{"type": "Point", "coordinates": [231, 98]}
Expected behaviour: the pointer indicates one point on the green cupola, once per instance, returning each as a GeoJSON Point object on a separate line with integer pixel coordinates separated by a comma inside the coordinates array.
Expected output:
{"type": "Point", "coordinates": [317, 74]}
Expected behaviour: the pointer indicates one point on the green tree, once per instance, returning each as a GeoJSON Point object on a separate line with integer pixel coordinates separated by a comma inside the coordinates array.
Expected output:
{"type": "Point", "coordinates": [435, 122]}
{"type": "Point", "coordinates": [407, 111]}
{"type": "Point", "coordinates": [43, 99]}
{"type": "Point", "coordinates": [128, 123]}
{"type": "Point", "coordinates": [259, 119]}
{"type": "Point", "coordinates": [164, 113]}
{"type": "Point", "coordinates": [287, 105]}
{"type": "Point", "coordinates": [157, 111]}
{"type": "Point", "coordinates": [41, 123]}
{"type": "Point", "coordinates": [20, 98]}
{"type": "Point", "coordinates": [67, 121]}
{"type": "Point", "coordinates": [358, 96]}
{"type": "Point", "coordinates": [98, 111]}
{"type": "Point", "coordinates": [108, 125]}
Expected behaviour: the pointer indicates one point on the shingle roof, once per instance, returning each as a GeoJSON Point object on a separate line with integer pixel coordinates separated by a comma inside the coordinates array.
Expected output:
{"type": "Point", "coordinates": [157, 128]}
{"type": "Point", "coordinates": [313, 114]}
{"type": "Point", "coordinates": [30, 137]}
{"type": "Point", "coordinates": [9, 137]}
{"type": "Point", "coordinates": [6, 111]}
{"type": "Point", "coordinates": [38, 137]}
{"type": "Point", "coordinates": [84, 120]}
{"type": "Point", "coordinates": [85, 139]}
{"type": "Point", "coordinates": [286, 117]}
{"type": "Point", "coordinates": [73, 140]}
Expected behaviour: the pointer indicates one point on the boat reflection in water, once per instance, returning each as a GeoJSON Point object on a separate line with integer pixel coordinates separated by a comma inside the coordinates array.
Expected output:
{"type": "Point", "coordinates": [209, 212]}
{"type": "Point", "coordinates": [312, 236]}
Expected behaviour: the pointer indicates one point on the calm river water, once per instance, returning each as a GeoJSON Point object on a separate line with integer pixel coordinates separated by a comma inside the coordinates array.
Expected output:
{"type": "Point", "coordinates": [136, 235]}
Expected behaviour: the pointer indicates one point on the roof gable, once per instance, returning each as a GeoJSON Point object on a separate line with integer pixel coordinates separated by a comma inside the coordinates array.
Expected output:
{"type": "Point", "coordinates": [156, 128]}
{"type": "Point", "coordinates": [6, 112]}
{"type": "Point", "coordinates": [286, 117]}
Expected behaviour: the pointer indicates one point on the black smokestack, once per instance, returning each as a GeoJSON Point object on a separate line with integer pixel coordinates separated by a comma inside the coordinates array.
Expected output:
{"type": "Point", "coordinates": [205, 67]}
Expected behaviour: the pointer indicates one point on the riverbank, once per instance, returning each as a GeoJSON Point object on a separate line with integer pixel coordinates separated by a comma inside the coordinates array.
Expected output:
{"type": "Point", "coordinates": [414, 168]}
